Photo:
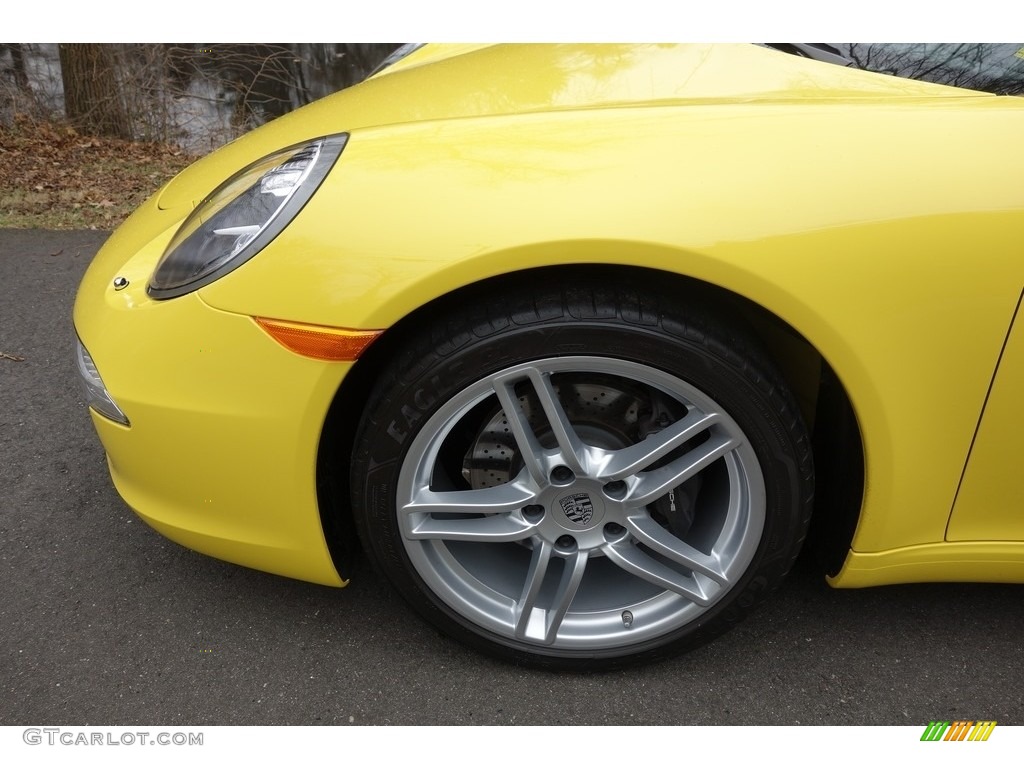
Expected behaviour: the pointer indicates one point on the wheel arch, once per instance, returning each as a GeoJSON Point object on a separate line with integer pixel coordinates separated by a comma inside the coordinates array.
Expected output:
{"type": "Point", "coordinates": [824, 402]}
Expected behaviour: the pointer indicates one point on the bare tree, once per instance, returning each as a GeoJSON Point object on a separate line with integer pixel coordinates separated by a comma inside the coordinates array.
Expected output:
{"type": "Point", "coordinates": [996, 68]}
{"type": "Point", "coordinates": [199, 94]}
{"type": "Point", "coordinates": [18, 66]}
{"type": "Point", "coordinates": [92, 92]}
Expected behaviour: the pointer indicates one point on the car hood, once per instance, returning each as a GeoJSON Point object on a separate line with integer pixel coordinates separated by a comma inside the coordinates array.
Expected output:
{"type": "Point", "coordinates": [446, 82]}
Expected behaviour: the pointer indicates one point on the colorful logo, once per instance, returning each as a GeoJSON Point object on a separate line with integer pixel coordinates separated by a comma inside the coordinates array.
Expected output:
{"type": "Point", "coordinates": [958, 730]}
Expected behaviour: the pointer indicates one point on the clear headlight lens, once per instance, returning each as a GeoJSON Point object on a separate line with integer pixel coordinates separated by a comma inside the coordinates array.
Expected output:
{"type": "Point", "coordinates": [242, 216]}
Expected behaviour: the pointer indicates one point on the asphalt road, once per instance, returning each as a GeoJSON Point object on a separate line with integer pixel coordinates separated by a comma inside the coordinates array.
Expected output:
{"type": "Point", "coordinates": [104, 622]}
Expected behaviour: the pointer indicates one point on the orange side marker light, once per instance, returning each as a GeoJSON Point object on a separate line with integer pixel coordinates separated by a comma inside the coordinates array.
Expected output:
{"type": "Point", "coordinates": [321, 342]}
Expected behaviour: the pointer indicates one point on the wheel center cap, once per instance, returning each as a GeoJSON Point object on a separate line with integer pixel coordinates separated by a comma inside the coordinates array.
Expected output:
{"type": "Point", "coordinates": [579, 511]}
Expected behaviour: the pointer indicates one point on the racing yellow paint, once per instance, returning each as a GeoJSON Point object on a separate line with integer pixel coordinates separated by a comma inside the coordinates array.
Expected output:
{"type": "Point", "coordinates": [990, 504]}
{"type": "Point", "coordinates": [949, 561]}
{"type": "Point", "coordinates": [739, 166]}
{"type": "Point", "coordinates": [221, 451]}
{"type": "Point", "coordinates": [479, 81]}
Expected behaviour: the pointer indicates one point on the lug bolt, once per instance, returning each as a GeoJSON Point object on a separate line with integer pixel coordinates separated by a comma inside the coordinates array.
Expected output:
{"type": "Point", "coordinates": [613, 530]}
{"type": "Point", "coordinates": [616, 489]}
{"type": "Point", "coordinates": [533, 512]}
{"type": "Point", "coordinates": [566, 542]}
{"type": "Point", "coordinates": [562, 475]}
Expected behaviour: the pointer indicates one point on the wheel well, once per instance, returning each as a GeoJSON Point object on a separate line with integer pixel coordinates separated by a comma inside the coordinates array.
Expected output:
{"type": "Point", "coordinates": [826, 407]}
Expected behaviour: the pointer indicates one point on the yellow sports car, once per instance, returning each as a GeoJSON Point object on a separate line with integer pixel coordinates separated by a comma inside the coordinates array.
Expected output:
{"type": "Point", "coordinates": [581, 342]}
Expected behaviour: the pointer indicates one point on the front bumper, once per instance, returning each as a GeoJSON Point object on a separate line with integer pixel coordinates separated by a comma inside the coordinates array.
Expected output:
{"type": "Point", "coordinates": [220, 454]}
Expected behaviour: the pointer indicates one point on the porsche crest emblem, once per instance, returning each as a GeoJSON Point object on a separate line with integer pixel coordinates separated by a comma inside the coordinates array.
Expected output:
{"type": "Point", "coordinates": [578, 508]}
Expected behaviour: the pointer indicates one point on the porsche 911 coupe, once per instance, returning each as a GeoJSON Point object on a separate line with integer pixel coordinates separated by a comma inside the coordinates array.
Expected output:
{"type": "Point", "coordinates": [580, 344]}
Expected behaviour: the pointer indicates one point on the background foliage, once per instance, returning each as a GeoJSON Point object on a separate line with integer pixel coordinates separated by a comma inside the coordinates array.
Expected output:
{"type": "Point", "coordinates": [88, 131]}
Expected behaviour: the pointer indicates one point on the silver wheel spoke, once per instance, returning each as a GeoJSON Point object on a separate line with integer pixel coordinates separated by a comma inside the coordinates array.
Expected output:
{"type": "Point", "coordinates": [503, 498]}
{"type": "Point", "coordinates": [569, 443]}
{"type": "Point", "coordinates": [570, 447]}
{"type": "Point", "coordinates": [527, 615]}
{"type": "Point", "coordinates": [648, 532]}
{"type": "Point", "coordinates": [541, 624]}
{"type": "Point", "coordinates": [491, 514]}
{"type": "Point", "coordinates": [564, 593]}
{"type": "Point", "coordinates": [529, 446]}
{"type": "Point", "coordinates": [656, 483]}
{"type": "Point", "coordinates": [629, 461]}
{"type": "Point", "coordinates": [491, 529]}
{"type": "Point", "coordinates": [633, 560]}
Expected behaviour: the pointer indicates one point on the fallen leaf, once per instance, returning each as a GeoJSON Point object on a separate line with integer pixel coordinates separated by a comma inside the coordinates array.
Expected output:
{"type": "Point", "coordinates": [15, 358]}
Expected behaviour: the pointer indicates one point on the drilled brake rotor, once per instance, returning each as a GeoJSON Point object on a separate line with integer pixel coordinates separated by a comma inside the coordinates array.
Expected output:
{"type": "Point", "coordinates": [606, 412]}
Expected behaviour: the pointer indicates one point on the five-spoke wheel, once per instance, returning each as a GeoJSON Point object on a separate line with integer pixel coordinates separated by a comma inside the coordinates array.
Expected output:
{"type": "Point", "coordinates": [603, 503]}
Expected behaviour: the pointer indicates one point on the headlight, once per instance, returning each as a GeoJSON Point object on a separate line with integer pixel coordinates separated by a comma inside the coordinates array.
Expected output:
{"type": "Point", "coordinates": [242, 216]}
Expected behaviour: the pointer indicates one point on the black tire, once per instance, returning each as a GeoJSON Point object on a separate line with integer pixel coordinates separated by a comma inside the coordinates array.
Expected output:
{"type": "Point", "coordinates": [550, 538]}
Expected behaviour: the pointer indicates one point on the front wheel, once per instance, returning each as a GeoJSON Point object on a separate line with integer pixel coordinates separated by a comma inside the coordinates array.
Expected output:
{"type": "Point", "coordinates": [582, 487]}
